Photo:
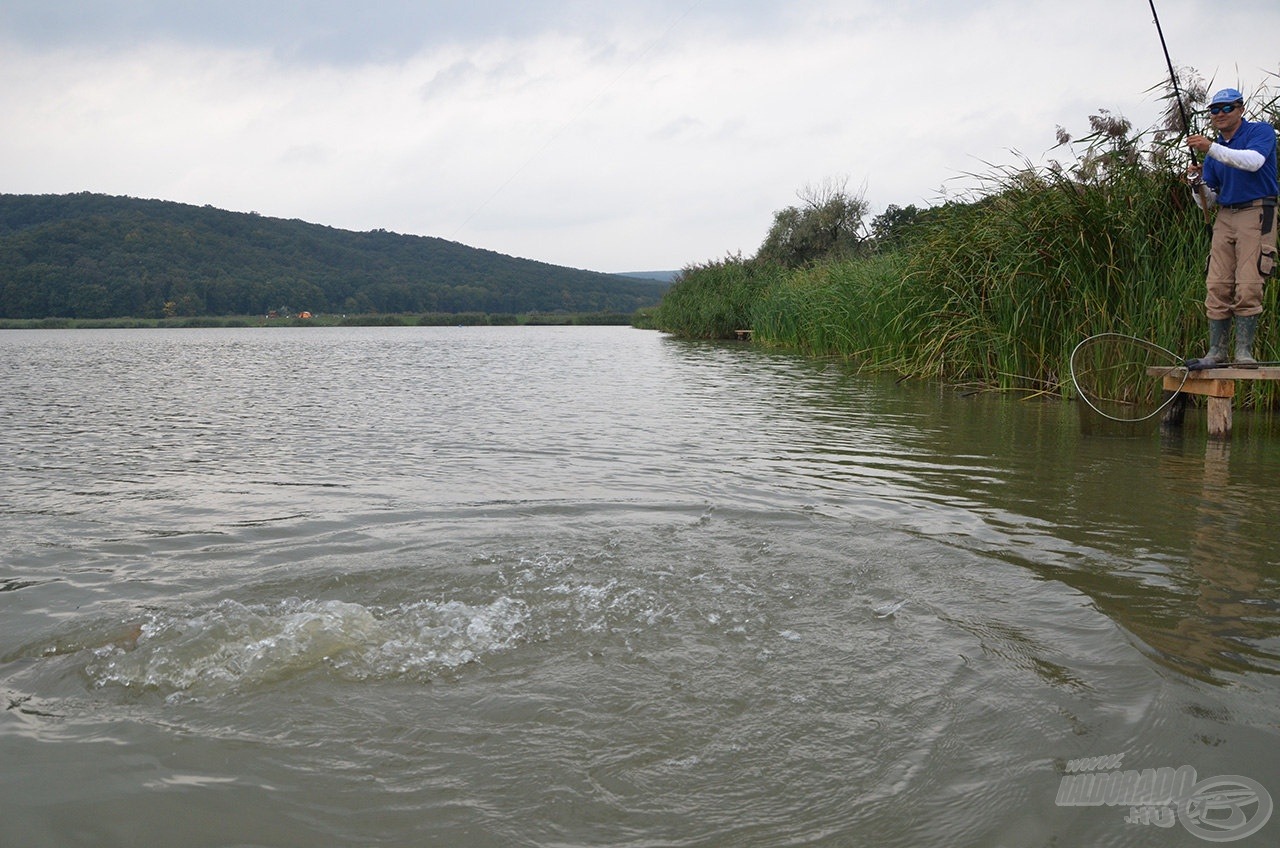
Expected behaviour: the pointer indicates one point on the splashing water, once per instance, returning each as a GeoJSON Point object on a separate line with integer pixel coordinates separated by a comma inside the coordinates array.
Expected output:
{"type": "Point", "coordinates": [235, 645]}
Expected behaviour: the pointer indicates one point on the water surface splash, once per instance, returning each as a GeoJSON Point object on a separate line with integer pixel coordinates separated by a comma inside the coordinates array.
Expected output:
{"type": "Point", "coordinates": [235, 645]}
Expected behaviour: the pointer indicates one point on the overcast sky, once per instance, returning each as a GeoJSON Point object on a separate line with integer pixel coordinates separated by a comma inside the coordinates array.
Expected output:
{"type": "Point", "coordinates": [615, 135]}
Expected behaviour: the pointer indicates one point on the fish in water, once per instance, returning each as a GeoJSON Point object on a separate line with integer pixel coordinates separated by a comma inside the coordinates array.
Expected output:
{"type": "Point", "coordinates": [886, 610]}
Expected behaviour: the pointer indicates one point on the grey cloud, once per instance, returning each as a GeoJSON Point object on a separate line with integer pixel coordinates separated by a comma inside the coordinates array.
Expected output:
{"type": "Point", "coordinates": [339, 31]}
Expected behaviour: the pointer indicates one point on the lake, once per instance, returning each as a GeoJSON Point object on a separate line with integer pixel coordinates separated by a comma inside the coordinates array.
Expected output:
{"type": "Point", "coordinates": [589, 586]}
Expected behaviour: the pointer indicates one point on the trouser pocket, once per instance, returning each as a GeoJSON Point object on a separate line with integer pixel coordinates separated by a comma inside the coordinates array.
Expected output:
{"type": "Point", "coordinates": [1267, 256]}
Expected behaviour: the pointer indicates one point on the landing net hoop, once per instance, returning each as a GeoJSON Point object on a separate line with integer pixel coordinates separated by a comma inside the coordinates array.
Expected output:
{"type": "Point", "coordinates": [1110, 373]}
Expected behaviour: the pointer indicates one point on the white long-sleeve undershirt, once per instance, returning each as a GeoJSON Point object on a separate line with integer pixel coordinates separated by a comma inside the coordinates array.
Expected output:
{"type": "Point", "coordinates": [1245, 160]}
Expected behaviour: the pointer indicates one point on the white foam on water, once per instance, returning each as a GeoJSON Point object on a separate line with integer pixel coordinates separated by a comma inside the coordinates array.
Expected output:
{"type": "Point", "coordinates": [235, 645]}
{"type": "Point", "coordinates": [565, 600]}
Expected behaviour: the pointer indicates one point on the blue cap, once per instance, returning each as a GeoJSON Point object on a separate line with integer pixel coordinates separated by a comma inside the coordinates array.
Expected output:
{"type": "Point", "coordinates": [1227, 95]}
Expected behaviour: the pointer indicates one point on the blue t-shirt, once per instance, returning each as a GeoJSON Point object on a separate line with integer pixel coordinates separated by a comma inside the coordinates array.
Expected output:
{"type": "Point", "coordinates": [1236, 186]}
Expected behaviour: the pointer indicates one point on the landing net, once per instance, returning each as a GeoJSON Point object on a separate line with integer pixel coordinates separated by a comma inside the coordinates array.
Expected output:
{"type": "Point", "coordinates": [1111, 374]}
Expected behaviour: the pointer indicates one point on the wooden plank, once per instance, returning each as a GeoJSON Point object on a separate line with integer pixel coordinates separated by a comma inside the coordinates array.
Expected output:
{"type": "Point", "coordinates": [1270, 372]}
{"type": "Point", "coordinates": [1211, 388]}
{"type": "Point", "coordinates": [1217, 384]}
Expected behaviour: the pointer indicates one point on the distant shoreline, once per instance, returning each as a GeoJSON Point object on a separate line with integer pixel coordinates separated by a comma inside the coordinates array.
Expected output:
{"type": "Point", "coordinates": [431, 319]}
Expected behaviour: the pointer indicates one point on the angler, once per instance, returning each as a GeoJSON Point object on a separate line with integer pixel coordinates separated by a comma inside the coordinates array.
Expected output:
{"type": "Point", "coordinates": [1239, 173]}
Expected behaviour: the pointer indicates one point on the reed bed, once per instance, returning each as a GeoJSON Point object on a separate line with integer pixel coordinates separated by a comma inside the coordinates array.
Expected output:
{"type": "Point", "coordinates": [998, 291]}
{"type": "Point", "coordinates": [713, 300]}
{"type": "Point", "coordinates": [1001, 291]}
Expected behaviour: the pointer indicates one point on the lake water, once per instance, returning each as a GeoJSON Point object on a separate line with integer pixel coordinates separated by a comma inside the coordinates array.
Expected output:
{"type": "Point", "coordinates": [596, 586]}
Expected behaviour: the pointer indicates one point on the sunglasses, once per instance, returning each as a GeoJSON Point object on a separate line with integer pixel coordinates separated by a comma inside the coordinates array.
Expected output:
{"type": "Point", "coordinates": [1226, 110]}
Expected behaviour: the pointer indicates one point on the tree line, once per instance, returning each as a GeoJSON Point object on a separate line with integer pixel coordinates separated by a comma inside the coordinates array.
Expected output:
{"type": "Point", "coordinates": [97, 256]}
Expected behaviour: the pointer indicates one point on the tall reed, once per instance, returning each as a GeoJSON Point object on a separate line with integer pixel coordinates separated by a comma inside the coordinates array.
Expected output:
{"type": "Point", "coordinates": [997, 291]}
{"type": "Point", "coordinates": [713, 300]}
{"type": "Point", "coordinates": [1049, 259]}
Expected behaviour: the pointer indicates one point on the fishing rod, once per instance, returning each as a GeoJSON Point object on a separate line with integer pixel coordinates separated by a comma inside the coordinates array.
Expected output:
{"type": "Point", "coordinates": [1198, 186]}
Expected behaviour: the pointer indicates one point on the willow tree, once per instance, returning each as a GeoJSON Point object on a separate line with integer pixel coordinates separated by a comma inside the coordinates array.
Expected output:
{"type": "Point", "coordinates": [827, 225]}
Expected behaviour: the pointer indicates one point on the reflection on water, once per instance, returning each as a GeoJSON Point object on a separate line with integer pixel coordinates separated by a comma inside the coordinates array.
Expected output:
{"type": "Point", "coordinates": [1164, 534]}
{"type": "Point", "coordinates": [589, 586]}
{"type": "Point", "coordinates": [1226, 619]}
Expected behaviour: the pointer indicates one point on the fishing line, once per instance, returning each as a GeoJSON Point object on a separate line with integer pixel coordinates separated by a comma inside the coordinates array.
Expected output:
{"type": "Point", "coordinates": [576, 116]}
{"type": "Point", "coordinates": [1173, 76]}
{"type": "Point", "coordinates": [1198, 188]}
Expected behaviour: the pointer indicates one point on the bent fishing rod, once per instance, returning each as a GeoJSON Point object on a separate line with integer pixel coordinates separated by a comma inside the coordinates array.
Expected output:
{"type": "Point", "coordinates": [1198, 186]}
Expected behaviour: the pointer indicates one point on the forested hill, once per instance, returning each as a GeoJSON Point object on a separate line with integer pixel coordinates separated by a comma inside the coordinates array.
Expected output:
{"type": "Point", "coordinates": [94, 256]}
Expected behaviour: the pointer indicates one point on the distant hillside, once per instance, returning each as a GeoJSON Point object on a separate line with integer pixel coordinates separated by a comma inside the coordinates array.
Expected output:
{"type": "Point", "coordinates": [661, 276]}
{"type": "Point", "coordinates": [94, 256]}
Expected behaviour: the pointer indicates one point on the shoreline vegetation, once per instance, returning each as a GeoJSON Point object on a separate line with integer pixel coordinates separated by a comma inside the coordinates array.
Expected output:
{"type": "Point", "coordinates": [92, 256]}
{"type": "Point", "coordinates": [995, 291]}
{"type": "Point", "coordinates": [429, 319]}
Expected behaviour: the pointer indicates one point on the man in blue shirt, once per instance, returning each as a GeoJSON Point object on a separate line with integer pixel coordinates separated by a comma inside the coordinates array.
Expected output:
{"type": "Point", "coordinates": [1239, 174]}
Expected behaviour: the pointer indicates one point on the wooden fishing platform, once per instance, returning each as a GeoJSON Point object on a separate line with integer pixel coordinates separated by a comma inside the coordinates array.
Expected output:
{"type": "Point", "coordinates": [1218, 385]}
{"type": "Point", "coordinates": [744, 335]}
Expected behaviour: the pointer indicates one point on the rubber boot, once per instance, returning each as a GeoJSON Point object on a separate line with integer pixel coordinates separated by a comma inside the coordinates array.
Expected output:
{"type": "Point", "coordinates": [1246, 330]}
{"type": "Point", "coordinates": [1217, 355]}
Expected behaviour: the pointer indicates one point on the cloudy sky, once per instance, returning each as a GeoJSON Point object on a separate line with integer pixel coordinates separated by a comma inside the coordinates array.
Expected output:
{"type": "Point", "coordinates": [616, 135]}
